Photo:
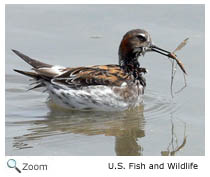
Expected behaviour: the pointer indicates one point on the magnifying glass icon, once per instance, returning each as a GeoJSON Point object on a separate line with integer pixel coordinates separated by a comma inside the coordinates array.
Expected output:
{"type": "Point", "coordinates": [11, 163]}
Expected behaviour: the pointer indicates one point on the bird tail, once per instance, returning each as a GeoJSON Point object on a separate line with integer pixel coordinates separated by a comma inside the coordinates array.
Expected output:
{"type": "Point", "coordinates": [34, 76]}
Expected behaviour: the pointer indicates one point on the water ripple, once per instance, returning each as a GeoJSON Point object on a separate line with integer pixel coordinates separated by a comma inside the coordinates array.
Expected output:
{"type": "Point", "coordinates": [158, 106]}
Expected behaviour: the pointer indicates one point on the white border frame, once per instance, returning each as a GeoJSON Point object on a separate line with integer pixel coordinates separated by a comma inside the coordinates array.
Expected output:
{"type": "Point", "coordinates": [97, 166]}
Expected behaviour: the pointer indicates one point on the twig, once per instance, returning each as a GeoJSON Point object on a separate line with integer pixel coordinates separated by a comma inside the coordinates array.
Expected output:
{"type": "Point", "coordinates": [174, 67]}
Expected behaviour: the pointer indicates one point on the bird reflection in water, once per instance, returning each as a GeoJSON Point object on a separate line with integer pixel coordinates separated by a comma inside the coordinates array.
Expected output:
{"type": "Point", "coordinates": [127, 128]}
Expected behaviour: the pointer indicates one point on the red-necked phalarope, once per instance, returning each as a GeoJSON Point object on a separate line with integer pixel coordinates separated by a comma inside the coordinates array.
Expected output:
{"type": "Point", "coordinates": [100, 87]}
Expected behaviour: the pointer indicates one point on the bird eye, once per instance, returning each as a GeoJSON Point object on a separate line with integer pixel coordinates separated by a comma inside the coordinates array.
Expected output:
{"type": "Point", "coordinates": [141, 37]}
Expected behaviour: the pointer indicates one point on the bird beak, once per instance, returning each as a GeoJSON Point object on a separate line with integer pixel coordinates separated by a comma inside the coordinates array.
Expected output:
{"type": "Point", "coordinates": [160, 51]}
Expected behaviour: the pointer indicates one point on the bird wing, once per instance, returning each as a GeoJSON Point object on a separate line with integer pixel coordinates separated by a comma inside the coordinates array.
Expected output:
{"type": "Point", "coordinates": [110, 75]}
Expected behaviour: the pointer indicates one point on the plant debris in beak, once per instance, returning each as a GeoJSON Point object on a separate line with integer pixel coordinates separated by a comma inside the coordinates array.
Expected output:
{"type": "Point", "coordinates": [173, 56]}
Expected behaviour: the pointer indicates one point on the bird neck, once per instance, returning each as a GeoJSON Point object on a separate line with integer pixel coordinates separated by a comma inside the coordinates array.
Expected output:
{"type": "Point", "coordinates": [130, 66]}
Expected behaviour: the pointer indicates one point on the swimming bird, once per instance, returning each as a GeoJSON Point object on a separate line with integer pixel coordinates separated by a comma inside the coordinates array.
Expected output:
{"type": "Point", "coordinates": [101, 87]}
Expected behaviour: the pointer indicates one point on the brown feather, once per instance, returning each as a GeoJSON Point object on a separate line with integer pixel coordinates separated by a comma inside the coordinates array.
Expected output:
{"type": "Point", "coordinates": [30, 74]}
{"type": "Point", "coordinates": [35, 63]}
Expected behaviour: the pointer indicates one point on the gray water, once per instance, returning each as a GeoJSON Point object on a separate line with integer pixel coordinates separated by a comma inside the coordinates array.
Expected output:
{"type": "Point", "coordinates": [75, 35]}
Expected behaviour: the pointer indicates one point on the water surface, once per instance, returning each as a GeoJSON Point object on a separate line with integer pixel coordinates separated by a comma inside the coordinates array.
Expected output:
{"type": "Point", "coordinates": [75, 35]}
